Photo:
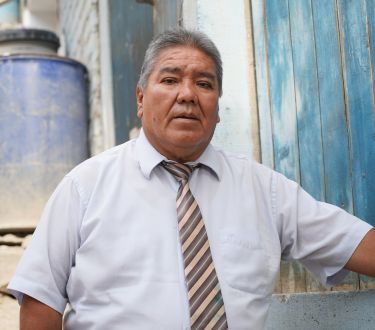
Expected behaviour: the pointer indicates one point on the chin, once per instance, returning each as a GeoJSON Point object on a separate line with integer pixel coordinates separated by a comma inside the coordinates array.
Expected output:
{"type": "Point", "coordinates": [186, 138]}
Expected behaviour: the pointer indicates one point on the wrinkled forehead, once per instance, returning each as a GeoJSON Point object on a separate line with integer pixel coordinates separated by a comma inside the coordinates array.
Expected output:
{"type": "Point", "coordinates": [166, 55]}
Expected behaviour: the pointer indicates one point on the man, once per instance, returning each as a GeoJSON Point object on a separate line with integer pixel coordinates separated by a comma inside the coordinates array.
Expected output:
{"type": "Point", "coordinates": [167, 232]}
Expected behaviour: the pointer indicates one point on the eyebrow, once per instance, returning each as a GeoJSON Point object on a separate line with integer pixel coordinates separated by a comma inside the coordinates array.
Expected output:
{"type": "Point", "coordinates": [170, 70]}
{"type": "Point", "coordinates": [208, 75]}
{"type": "Point", "coordinates": [177, 70]}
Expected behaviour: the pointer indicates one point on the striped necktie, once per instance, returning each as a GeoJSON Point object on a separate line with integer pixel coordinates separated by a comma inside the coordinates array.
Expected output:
{"type": "Point", "coordinates": [205, 299]}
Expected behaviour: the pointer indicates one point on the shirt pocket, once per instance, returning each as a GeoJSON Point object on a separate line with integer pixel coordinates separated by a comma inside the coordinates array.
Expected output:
{"type": "Point", "coordinates": [245, 264]}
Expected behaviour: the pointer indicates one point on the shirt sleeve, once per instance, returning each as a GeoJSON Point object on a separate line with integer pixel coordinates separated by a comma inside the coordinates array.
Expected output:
{"type": "Point", "coordinates": [320, 235]}
{"type": "Point", "coordinates": [44, 268]}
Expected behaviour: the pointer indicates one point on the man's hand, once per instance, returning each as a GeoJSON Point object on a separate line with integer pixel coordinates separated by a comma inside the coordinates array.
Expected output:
{"type": "Point", "coordinates": [36, 315]}
{"type": "Point", "coordinates": [363, 259]}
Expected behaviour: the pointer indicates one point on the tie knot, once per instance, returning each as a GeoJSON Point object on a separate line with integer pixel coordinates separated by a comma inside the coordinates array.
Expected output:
{"type": "Point", "coordinates": [181, 172]}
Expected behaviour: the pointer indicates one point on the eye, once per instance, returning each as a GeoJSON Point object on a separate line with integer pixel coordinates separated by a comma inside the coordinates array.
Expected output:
{"type": "Point", "coordinates": [204, 84]}
{"type": "Point", "coordinates": [169, 81]}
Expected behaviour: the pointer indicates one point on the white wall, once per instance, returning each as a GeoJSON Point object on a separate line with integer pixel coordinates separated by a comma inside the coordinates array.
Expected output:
{"type": "Point", "coordinates": [41, 14]}
{"type": "Point", "coordinates": [228, 24]}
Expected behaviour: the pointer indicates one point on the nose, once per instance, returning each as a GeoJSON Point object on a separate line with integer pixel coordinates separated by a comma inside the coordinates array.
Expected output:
{"type": "Point", "coordinates": [187, 93]}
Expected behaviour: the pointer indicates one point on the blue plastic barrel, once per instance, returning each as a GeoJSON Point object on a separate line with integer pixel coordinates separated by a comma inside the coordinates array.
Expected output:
{"type": "Point", "coordinates": [10, 12]}
{"type": "Point", "coordinates": [43, 131]}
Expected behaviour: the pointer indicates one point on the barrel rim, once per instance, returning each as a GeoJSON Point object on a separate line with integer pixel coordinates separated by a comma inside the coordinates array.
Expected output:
{"type": "Point", "coordinates": [27, 34]}
{"type": "Point", "coordinates": [38, 56]}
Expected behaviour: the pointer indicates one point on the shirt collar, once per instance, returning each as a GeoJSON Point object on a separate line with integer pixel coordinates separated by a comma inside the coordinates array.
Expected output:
{"type": "Point", "coordinates": [210, 159]}
{"type": "Point", "coordinates": [149, 157]}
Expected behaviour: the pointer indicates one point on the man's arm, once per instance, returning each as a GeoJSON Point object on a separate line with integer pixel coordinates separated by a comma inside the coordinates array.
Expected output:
{"type": "Point", "coordinates": [36, 315]}
{"type": "Point", "coordinates": [363, 259]}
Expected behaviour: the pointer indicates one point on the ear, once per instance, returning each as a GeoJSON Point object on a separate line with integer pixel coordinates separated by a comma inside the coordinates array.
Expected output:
{"type": "Point", "coordinates": [218, 116]}
{"type": "Point", "coordinates": [139, 97]}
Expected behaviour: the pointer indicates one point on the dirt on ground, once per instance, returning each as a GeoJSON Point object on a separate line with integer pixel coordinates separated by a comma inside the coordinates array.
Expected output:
{"type": "Point", "coordinates": [9, 313]}
{"type": "Point", "coordinates": [11, 249]}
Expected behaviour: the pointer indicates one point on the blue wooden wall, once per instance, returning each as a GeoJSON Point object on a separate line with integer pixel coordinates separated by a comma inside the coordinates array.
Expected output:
{"type": "Point", "coordinates": [315, 69]}
{"type": "Point", "coordinates": [315, 88]}
{"type": "Point", "coordinates": [133, 23]}
{"type": "Point", "coordinates": [131, 30]}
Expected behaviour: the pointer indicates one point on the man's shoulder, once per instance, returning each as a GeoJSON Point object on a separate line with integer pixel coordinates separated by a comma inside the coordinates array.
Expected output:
{"type": "Point", "coordinates": [240, 161]}
{"type": "Point", "coordinates": [107, 161]}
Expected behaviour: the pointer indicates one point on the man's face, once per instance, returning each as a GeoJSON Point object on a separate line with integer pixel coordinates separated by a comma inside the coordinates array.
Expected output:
{"type": "Point", "coordinates": [179, 106]}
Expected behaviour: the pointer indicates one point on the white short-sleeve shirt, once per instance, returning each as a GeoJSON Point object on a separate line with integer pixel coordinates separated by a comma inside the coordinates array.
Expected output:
{"type": "Point", "coordinates": [108, 244]}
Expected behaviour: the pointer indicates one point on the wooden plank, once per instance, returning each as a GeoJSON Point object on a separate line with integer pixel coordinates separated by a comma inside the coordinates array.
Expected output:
{"type": "Point", "coordinates": [292, 277]}
{"type": "Point", "coordinates": [284, 118]}
{"type": "Point", "coordinates": [282, 97]}
{"type": "Point", "coordinates": [313, 285]}
{"type": "Point", "coordinates": [338, 186]}
{"type": "Point", "coordinates": [332, 106]}
{"type": "Point", "coordinates": [350, 283]}
{"type": "Point", "coordinates": [365, 281]}
{"type": "Point", "coordinates": [308, 108]}
{"type": "Point", "coordinates": [166, 15]}
{"type": "Point", "coordinates": [278, 287]}
{"type": "Point", "coordinates": [129, 39]}
{"type": "Point", "coordinates": [252, 90]}
{"type": "Point", "coordinates": [335, 135]}
{"type": "Point", "coordinates": [106, 84]}
{"type": "Point", "coordinates": [307, 98]}
{"type": "Point", "coordinates": [360, 104]}
{"type": "Point", "coordinates": [261, 63]}
{"type": "Point", "coordinates": [370, 5]}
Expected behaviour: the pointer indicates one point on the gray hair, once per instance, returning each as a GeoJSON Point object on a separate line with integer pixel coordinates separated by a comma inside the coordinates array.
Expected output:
{"type": "Point", "coordinates": [180, 37]}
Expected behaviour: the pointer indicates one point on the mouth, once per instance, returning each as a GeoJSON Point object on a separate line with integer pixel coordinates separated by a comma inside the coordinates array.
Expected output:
{"type": "Point", "coordinates": [186, 117]}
